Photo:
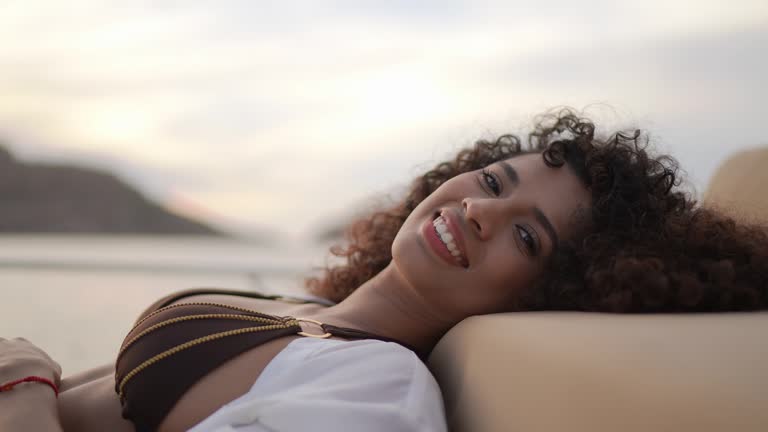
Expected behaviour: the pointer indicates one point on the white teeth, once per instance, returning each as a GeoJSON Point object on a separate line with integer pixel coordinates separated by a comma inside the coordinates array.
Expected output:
{"type": "Point", "coordinates": [442, 232]}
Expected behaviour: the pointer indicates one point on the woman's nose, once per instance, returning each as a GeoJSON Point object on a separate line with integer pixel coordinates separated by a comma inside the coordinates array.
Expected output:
{"type": "Point", "coordinates": [485, 215]}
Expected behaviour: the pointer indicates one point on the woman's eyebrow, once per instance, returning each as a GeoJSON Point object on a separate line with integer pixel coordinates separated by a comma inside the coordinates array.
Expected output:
{"type": "Point", "coordinates": [511, 173]}
{"type": "Point", "coordinates": [509, 170]}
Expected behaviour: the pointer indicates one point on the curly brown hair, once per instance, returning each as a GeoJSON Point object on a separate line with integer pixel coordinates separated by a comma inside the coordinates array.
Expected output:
{"type": "Point", "coordinates": [647, 247]}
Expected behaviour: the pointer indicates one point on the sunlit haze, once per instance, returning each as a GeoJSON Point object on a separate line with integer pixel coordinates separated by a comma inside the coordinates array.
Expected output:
{"type": "Point", "coordinates": [288, 116]}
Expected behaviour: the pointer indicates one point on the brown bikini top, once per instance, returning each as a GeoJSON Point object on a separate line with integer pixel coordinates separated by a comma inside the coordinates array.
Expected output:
{"type": "Point", "coordinates": [171, 348]}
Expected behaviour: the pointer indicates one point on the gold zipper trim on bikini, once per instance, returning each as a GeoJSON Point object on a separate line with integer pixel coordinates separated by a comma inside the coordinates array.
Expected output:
{"type": "Point", "coordinates": [167, 353]}
{"type": "Point", "coordinates": [235, 308]}
{"type": "Point", "coordinates": [194, 317]}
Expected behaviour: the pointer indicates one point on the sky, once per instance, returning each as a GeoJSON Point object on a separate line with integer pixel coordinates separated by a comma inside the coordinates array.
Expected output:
{"type": "Point", "coordinates": [289, 116]}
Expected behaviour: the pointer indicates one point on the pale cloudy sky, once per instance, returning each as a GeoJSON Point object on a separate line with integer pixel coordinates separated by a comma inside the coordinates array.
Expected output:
{"type": "Point", "coordinates": [287, 114]}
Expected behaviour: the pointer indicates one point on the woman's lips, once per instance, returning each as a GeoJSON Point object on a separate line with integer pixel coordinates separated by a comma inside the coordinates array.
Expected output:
{"type": "Point", "coordinates": [438, 246]}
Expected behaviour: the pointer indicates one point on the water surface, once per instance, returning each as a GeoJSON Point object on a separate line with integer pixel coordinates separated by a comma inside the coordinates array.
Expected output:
{"type": "Point", "coordinates": [77, 296]}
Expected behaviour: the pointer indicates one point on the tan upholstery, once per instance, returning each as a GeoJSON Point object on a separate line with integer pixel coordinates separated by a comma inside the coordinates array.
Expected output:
{"type": "Point", "coordinates": [739, 186]}
{"type": "Point", "coordinates": [569, 371]}
{"type": "Point", "coordinates": [602, 372]}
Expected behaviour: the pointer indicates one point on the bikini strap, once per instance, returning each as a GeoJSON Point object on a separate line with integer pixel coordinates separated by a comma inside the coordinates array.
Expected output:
{"type": "Point", "coordinates": [350, 333]}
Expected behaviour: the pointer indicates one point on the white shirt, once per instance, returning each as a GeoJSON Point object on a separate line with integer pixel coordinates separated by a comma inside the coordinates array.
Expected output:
{"type": "Point", "coordinates": [322, 385]}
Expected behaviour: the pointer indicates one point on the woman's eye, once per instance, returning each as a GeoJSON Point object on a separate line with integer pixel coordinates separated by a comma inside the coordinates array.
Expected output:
{"type": "Point", "coordinates": [492, 183]}
{"type": "Point", "coordinates": [528, 238]}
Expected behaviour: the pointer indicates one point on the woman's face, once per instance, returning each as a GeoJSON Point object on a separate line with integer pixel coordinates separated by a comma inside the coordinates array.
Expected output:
{"type": "Point", "coordinates": [484, 236]}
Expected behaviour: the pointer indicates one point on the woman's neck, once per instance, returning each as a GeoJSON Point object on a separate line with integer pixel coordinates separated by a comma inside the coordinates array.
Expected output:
{"type": "Point", "coordinates": [387, 305]}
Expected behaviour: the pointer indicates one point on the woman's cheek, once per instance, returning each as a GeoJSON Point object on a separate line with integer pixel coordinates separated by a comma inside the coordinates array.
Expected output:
{"type": "Point", "coordinates": [513, 276]}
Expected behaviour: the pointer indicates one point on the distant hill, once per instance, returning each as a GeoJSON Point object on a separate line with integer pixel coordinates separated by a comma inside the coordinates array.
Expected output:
{"type": "Point", "coordinates": [65, 199]}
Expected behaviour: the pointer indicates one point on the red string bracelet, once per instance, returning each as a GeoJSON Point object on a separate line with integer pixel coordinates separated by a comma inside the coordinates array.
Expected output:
{"type": "Point", "coordinates": [9, 386]}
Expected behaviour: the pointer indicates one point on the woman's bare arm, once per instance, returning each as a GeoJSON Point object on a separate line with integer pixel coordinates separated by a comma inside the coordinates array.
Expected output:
{"type": "Point", "coordinates": [88, 402]}
{"type": "Point", "coordinates": [93, 405]}
{"type": "Point", "coordinates": [87, 376]}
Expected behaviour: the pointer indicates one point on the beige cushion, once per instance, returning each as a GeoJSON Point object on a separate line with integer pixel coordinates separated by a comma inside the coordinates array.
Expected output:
{"type": "Point", "coordinates": [571, 371]}
{"type": "Point", "coordinates": [738, 186]}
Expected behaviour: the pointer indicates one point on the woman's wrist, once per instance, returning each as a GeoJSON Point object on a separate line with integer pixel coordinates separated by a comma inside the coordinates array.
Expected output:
{"type": "Point", "coordinates": [27, 391]}
{"type": "Point", "coordinates": [32, 398]}
{"type": "Point", "coordinates": [29, 376]}
{"type": "Point", "coordinates": [30, 379]}
{"type": "Point", "coordinates": [29, 407]}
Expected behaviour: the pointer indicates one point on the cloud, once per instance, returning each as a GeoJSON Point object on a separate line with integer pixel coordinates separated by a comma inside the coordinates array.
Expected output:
{"type": "Point", "coordinates": [306, 108]}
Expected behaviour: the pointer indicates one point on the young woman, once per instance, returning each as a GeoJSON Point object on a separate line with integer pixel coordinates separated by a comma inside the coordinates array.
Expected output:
{"type": "Point", "coordinates": [572, 222]}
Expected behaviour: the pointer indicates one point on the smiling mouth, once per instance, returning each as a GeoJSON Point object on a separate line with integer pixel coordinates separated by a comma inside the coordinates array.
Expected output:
{"type": "Point", "coordinates": [444, 234]}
